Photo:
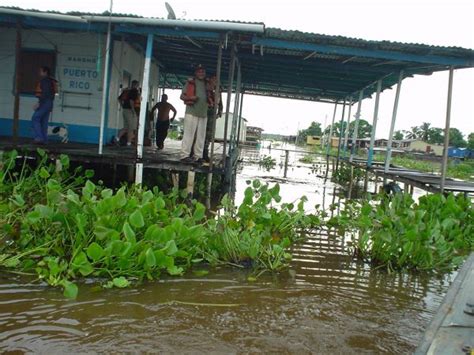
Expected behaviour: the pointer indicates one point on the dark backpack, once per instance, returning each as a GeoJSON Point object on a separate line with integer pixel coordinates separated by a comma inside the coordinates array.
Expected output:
{"type": "Point", "coordinates": [124, 97]}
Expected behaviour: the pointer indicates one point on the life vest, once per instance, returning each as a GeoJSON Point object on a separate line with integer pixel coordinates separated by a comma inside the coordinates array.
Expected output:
{"type": "Point", "coordinates": [191, 91]}
{"type": "Point", "coordinates": [54, 87]}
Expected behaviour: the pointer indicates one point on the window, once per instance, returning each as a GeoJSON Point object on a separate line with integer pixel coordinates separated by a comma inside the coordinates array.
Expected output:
{"type": "Point", "coordinates": [30, 62]}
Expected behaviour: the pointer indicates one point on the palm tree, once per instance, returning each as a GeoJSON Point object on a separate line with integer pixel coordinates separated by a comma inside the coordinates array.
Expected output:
{"type": "Point", "coordinates": [412, 133]}
{"type": "Point", "coordinates": [424, 131]}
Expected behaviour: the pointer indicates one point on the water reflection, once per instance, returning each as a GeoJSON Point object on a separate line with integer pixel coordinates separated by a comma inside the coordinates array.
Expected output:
{"type": "Point", "coordinates": [326, 302]}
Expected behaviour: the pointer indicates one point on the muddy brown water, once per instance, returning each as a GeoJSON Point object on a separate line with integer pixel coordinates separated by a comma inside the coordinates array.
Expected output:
{"type": "Point", "coordinates": [325, 303]}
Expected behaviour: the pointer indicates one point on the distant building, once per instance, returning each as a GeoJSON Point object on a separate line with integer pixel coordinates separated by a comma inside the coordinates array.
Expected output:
{"type": "Point", "coordinates": [220, 127]}
{"type": "Point", "coordinates": [461, 153]}
{"type": "Point", "coordinates": [418, 146]}
{"type": "Point", "coordinates": [254, 135]}
{"type": "Point", "coordinates": [313, 140]}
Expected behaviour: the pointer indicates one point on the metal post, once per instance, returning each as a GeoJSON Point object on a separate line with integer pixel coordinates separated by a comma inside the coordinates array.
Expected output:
{"type": "Point", "coordinates": [285, 173]}
{"type": "Point", "coordinates": [16, 102]}
{"type": "Point", "coordinates": [392, 125]}
{"type": "Point", "coordinates": [356, 125]}
{"type": "Point", "coordinates": [105, 83]}
{"type": "Point", "coordinates": [230, 82]}
{"type": "Point", "coordinates": [328, 145]}
{"type": "Point", "coordinates": [158, 99]}
{"type": "Point", "coordinates": [143, 110]}
{"type": "Point", "coordinates": [340, 135]}
{"type": "Point", "coordinates": [444, 164]}
{"type": "Point", "coordinates": [346, 137]}
{"type": "Point", "coordinates": [240, 117]}
{"type": "Point", "coordinates": [217, 98]}
{"type": "Point", "coordinates": [235, 115]}
{"type": "Point", "coordinates": [374, 124]}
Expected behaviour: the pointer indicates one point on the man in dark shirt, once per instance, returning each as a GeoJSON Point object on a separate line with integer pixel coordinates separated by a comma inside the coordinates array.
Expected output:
{"type": "Point", "coordinates": [128, 99]}
{"type": "Point", "coordinates": [45, 91]}
{"type": "Point", "coordinates": [163, 119]}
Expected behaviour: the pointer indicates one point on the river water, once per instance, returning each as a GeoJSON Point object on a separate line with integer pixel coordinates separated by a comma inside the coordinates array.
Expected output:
{"type": "Point", "coordinates": [325, 303]}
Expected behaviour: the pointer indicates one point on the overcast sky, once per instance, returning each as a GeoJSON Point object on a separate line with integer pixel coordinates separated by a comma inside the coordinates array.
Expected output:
{"type": "Point", "coordinates": [423, 98]}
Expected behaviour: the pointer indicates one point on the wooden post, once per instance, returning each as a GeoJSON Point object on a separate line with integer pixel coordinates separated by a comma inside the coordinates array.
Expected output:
{"type": "Point", "coordinates": [356, 126]}
{"type": "Point", "coordinates": [230, 83]}
{"type": "Point", "coordinates": [16, 102]}
{"type": "Point", "coordinates": [286, 164]}
{"type": "Point", "coordinates": [190, 184]}
{"type": "Point", "coordinates": [392, 124]}
{"type": "Point", "coordinates": [444, 164]}
{"type": "Point", "coordinates": [175, 179]}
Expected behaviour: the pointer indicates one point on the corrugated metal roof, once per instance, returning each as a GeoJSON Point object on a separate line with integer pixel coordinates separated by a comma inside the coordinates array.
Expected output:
{"type": "Point", "coordinates": [291, 64]}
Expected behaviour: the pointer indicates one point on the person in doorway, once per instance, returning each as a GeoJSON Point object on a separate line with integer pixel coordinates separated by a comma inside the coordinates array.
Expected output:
{"type": "Point", "coordinates": [45, 91]}
{"type": "Point", "coordinates": [163, 120]}
{"type": "Point", "coordinates": [195, 97]}
{"type": "Point", "coordinates": [128, 99]}
{"type": "Point", "coordinates": [211, 90]}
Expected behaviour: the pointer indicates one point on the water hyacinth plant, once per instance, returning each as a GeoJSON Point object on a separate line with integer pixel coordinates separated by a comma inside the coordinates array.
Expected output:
{"type": "Point", "coordinates": [64, 227]}
{"type": "Point", "coordinates": [437, 232]}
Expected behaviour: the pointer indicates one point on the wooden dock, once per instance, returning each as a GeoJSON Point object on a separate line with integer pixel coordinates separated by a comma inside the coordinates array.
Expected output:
{"type": "Point", "coordinates": [166, 159]}
{"type": "Point", "coordinates": [452, 329]}
{"type": "Point", "coordinates": [425, 181]}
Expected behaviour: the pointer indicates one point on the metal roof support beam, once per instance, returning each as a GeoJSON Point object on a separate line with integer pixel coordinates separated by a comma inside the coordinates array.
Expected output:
{"type": "Point", "coordinates": [143, 110]}
{"type": "Point", "coordinates": [230, 82]}
{"type": "Point", "coordinates": [331, 129]}
{"type": "Point", "coordinates": [240, 117]}
{"type": "Point", "coordinates": [235, 114]}
{"type": "Point", "coordinates": [444, 164]}
{"type": "Point", "coordinates": [105, 85]}
{"type": "Point", "coordinates": [346, 137]}
{"type": "Point", "coordinates": [388, 155]}
{"type": "Point", "coordinates": [341, 129]}
{"type": "Point", "coordinates": [356, 125]}
{"type": "Point", "coordinates": [361, 52]}
{"type": "Point", "coordinates": [217, 99]}
{"type": "Point", "coordinates": [167, 32]}
{"type": "Point", "coordinates": [374, 124]}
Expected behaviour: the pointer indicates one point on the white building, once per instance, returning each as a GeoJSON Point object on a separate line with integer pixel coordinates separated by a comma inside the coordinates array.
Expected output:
{"type": "Point", "coordinates": [77, 63]}
{"type": "Point", "coordinates": [220, 125]}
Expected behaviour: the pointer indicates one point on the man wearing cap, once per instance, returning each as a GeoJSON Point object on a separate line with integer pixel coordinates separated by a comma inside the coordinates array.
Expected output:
{"type": "Point", "coordinates": [194, 95]}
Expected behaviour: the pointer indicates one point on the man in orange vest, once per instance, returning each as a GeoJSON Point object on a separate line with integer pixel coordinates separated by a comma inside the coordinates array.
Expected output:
{"type": "Point", "coordinates": [195, 97]}
{"type": "Point", "coordinates": [45, 91]}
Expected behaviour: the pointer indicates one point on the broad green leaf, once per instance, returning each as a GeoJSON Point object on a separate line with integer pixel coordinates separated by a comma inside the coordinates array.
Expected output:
{"type": "Point", "coordinates": [136, 219]}
{"type": "Point", "coordinates": [175, 270]}
{"type": "Point", "coordinates": [70, 289]}
{"type": "Point", "coordinates": [129, 233]}
{"type": "Point", "coordinates": [170, 248]}
{"type": "Point", "coordinates": [150, 259]}
{"type": "Point", "coordinates": [95, 252]}
{"type": "Point", "coordinates": [43, 173]}
{"type": "Point", "coordinates": [199, 212]}
{"type": "Point", "coordinates": [120, 282]}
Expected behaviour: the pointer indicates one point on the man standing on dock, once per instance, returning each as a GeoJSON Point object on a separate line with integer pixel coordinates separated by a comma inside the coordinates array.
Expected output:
{"type": "Point", "coordinates": [194, 95]}
{"type": "Point", "coordinates": [128, 99]}
{"type": "Point", "coordinates": [45, 91]}
{"type": "Point", "coordinates": [163, 120]}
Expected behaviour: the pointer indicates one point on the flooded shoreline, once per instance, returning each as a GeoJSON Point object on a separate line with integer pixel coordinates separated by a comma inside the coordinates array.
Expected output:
{"type": "Point", "coordinates": [325, 302]}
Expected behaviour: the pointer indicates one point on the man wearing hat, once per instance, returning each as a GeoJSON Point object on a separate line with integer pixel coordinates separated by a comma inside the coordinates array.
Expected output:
{"type": "Point", "coordinates": [194, 95]}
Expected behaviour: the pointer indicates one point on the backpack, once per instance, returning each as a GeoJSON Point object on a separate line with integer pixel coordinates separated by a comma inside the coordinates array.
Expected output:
{"type": "Point", "coordinates": [124, 97]}
{"type": "Point", "coordinates": [54, 87]}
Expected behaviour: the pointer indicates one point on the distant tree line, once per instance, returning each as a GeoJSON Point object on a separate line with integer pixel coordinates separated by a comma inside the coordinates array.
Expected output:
{"type": "Point", "coordinates": [435, 135]}
{"type": "Point", "coordinates": [424, 132]}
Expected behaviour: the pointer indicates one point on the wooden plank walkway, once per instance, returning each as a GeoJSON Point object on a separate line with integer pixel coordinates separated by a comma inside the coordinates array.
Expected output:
{"type": "Point", "coordinates": [452, 329]}
{"type": "Point", "coordinates": [426, 181]}
{"type": "Point", "coordinates": [166, 159]}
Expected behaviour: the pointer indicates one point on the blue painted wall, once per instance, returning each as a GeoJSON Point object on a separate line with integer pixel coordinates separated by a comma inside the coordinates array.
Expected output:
{"type": "Point", "coordinates": [76, 133]}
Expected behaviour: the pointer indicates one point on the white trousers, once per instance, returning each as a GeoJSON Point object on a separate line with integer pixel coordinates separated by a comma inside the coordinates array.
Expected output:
{"type": "Point", "coordinates": [194, 132]}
